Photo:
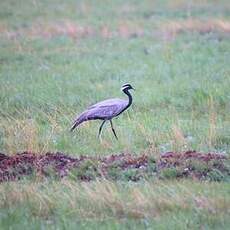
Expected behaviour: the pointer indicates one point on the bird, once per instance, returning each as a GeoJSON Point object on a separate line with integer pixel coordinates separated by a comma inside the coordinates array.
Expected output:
{"type": "Point", "coordinates": [106, 110]}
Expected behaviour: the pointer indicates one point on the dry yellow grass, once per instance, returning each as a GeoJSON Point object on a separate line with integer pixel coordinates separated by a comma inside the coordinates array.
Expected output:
{"type": "Point", "coordinates": [123, 29]}
{"type": "Point", "coordinates": [103, 199]}
{"type": "Point", "coordinates": [24, 134]}
{"type": "Point", "coordinates": [174, 27]}
{"type": "Point", "coordinates": [179, 141]}
{"type": "Point", "coordinates": [20, 132]}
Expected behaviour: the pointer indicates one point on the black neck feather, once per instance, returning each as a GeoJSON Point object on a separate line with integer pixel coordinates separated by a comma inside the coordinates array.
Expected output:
{"type": "Point", "coordinates": [126, 91]}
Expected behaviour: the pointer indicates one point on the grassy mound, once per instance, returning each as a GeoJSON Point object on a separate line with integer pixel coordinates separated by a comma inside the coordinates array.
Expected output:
{"type": "Point", "coordinates": [190, 164]}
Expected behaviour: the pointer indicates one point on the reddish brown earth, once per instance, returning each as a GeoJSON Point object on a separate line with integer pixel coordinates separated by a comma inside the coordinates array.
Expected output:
{"type": "Point", "coordinates": [189, 164]}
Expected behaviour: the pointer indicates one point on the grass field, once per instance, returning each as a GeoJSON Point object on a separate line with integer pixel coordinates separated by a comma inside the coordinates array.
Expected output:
{"type": "Point", "coordinates": [58, 57]}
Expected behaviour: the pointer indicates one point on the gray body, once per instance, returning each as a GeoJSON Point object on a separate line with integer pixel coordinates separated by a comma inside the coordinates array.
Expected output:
{"type": "Point", "coordinates": [105, 110]}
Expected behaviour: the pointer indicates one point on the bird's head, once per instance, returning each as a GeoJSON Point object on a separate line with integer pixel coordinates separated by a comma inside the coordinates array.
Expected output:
{"type": "Point", "coordinates": [126, 87]}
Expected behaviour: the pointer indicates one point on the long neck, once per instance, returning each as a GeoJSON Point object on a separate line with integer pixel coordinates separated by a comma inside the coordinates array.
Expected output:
{"type": "Point", "coordinates": [126, 91]}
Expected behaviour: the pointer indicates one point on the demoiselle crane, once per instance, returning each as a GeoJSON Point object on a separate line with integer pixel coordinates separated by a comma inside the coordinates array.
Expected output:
{"type": "Point", "coordinates": [105, 110]}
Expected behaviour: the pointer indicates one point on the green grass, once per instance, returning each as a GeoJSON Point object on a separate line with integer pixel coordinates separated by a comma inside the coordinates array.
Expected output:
{"type": "Point", "coordinates": [181, 101]}
{"type": "Point", "coordinates": [106, 205]}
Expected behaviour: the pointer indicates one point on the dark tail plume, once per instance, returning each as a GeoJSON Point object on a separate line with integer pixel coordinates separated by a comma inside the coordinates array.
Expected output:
{"type": "Point", "coordinates": [75, 124]}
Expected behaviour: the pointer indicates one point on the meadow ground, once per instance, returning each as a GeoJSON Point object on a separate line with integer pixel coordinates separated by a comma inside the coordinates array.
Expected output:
{"type": "Point", "coordinates": [57, 57]}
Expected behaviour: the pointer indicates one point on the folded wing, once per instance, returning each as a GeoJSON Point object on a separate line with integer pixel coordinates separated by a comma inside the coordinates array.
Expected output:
{"type": "Point", "coordinates": [104, 110]}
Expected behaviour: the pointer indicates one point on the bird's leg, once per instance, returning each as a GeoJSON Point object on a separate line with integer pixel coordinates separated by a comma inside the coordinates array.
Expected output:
{"type": "Point", "coordinates": [111, 123]}
{"type": "Point", "coordinates": [101, 128]}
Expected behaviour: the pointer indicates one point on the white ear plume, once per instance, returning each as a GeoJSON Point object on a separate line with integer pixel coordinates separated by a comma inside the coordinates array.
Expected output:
{"type": "Point", "coordinates": [125, 86]}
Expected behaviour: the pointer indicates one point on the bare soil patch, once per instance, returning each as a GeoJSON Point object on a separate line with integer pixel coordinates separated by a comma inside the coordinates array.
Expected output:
{"type": "Point", "coordinates": [190, 164]}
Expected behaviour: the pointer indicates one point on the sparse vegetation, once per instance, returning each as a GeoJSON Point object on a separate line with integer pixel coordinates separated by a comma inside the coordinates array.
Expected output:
{"type": "Point", "coordinates": [57, 57]}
